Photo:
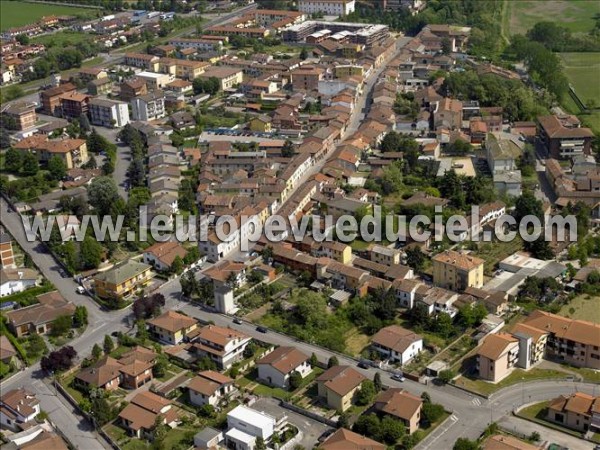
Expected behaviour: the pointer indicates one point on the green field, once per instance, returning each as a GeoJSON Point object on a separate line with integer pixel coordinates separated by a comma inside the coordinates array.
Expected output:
{"type": "Point", "coordinates": [583, 307]}
{"type": "Point", "coordinates": [582, 69]}
{"type": "Point", "coordinates": [63, 38]}
{"type": "Point", "coordinates": [17, 14]}
{"type": "Point", "coordinates": [576, 15]}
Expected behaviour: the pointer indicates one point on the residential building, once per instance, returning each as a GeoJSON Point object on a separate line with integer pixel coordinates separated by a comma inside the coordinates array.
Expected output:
{"type": "Point", "coordinates": [179, 86]}
{"type": "Point", "coordinates": [104, 374]}
{"type": "Point", "coordinates": [571, 341]}
{"type": "Point", "coordinates": [397, 344]}
{"type": "Point", "coordinates": [508, 442]}
{"type": "Point", "coordinates": [133, 88]}
{"type": "Point", "coordinates": [384, 255]}
{"type": "Point", "coordinates": [229, 77]}
{"type": "Point", "coordinates": [338, 386]}
{"type": "Point", "coordinates": [202, 45]}
{"type": "Point", "coordinates": [457, 270]}
{"type": "Point", "coordinates": [140, 416]}
{"type": "Point", "coordinates": [502, 154]}
{"type": "Point", "coordinates": [50, 98]}
{"type": "Point", "coordinates": [336, 251]}
{"type": "Point", "coordinates": [261, 124]}
{"type": "Point", "coordinates": [448, 113]}
{"type": "Point", "coordinates": [72, 151]}
{"type": "Point", "coordinates": [7, 256]}
{"type": "Point", "coordinates": [87, 74]}
{"type": "Point", "coordinates": [208, 438]}
{"type": "Point", "coordinates": [181, 68]}
{"type": "Point", "coordinates": [18, 408]}
{"type": "Point", "coordinates": [209, 387]}
{"type": "Point", "coordinates": [162, 254]}
{"type": "Point", "coordinates": [38, 318]}
{"type": "Point", "coordinates": [74, 104]}
{"type": "Point", "coordinates": [108, 113]}
{"type": "Point", "coordinates": [508, 183]}
{"type": "Point", "coordinates": [497, 356]}
{"type": "Point", "coordinates": [247, 422]}
{"type": "Point", "coordinates": [277, 366]}
{"type": "Point", "coordinates": [122, 280]}
{"type": "Point", "coordinates": [8, 353]}
{"type": "Point", "coordinates": [307, 78]}
{"type": "Point", "coordinates": [401, 405]}
{"type": "Point", "coordinates": [327, 7]}
{"type": "Point", "coordinates": [155, 80]}
{"type": "Point", "coordinates": [16, 280]}
{"type": "Point", "coordinates": [578, 411]}
{"type": "Point", "coordinates": [344, 439]}
{"type": "Point", "coordinates": [22, 114]}
{"type": "Point", "coordinates": [148, 107]}
{"type": "Point", "coordinates": [142, 60]}
{"type": "Point", "coordinates": [532, 344]}
{"type": "Point", "coordinates": [172, 327]}
{"type": "Point", "coordinates": [224, 346]}
{"type": "Point", "coordinates": [564, 137]}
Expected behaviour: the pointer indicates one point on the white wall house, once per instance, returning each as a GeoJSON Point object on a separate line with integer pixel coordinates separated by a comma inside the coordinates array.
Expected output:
{"type": "Point", "coordinates": [276, 367]}
{"type": "Point", "coordinates": [223, 345]}
{"type": "Point", "coordinates": [209, 387]}
{"type": "Point", "coordinates": [18, 406]}
{"type": "Point", "coordinates": [108, 113]}
{"type": "Point", "coordinates": [251, 422]}
{"type": "Point", "coordinates": [16, 280]}
{"type": "Point", "coordinates": [148, 107]}
{"type": "Point", "coordinates": [327, 7]}
{"type": "Point", "coordinates": [397, 344]}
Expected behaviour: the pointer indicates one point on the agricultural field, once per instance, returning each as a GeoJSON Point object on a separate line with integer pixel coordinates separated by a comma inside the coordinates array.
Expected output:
{"type": "Point", "coordinates": [17, 14]}
{"type": "Point", "coordinates": [583, 307]}
{"type": "Point", "coordinates": [582, 71]}
{"type": "Point", "coordinates": [576, 15]}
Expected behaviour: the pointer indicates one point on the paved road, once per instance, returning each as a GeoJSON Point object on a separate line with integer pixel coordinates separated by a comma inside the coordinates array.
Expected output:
{"type": "Point", "coordinates": [123, 159]}
{"type": "Point", "coordinates": [549, 436]}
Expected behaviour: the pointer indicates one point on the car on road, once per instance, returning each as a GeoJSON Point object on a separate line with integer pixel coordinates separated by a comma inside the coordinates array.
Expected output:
{"type": "Point", "coordinates": [238, 320]}
{"type": "Point", "coordinates": [398, 377]}
{"type": "Point", "coordinates": [261, 329]}
{"type": "Point", "coordinates": [364, 364]}
{"type": "Point", "coordinates": [80, 290]}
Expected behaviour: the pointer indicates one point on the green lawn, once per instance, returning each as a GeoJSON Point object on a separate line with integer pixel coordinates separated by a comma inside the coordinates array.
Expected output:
{"type": "Point", "coordinates": [583, 307]}
{"type": "Point", "coordinates": [576, 15]}
{"type": "Point", "coordinates": [517, 376]}
{"type": "Point", "coordinates": [16, 14]}
{"type": "Point", "coordinates": [582, 71]}
{"type": "Point", "coordinates": [63, 38]}
{"type": "Point", "coordinates": [535, 411]}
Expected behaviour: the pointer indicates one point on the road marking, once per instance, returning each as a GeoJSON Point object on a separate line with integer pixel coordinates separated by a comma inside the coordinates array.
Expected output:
{"type": "Point", "coordinates": [438, 433]}
{"type": "Point", "coordinates": [476, 401]}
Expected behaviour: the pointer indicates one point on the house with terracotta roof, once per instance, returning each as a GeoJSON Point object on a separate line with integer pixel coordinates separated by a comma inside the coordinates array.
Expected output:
{"type": "Point", "coordinates": [16, 280]}
{"type": "Point", "coordinates": [338, 386]}
{"type": "Point", "coordinates": [532, 344]}
{"type": "Point", "coordinates": [17, 408]}
{"type": "Point", "coordinates": [497, 356]}
{"type": "Point", "coordinates": [38, 318]}
{"type": "Point", "coordinates": [104, 374]}
{"type": "Point", "coordinates": [577, 411]}
{"type": "Point", "coordinates": [344, 439]}
{"type": "Point", "coordinates": [172, 327]}
{"type": "Point", "coordinates": [224, 346]}
{"type": "Point", "coordinates": [209, 387]}
{"type": "Point", "coordinates": [457, 270]}
{"type": "Point", "coordinates": [402, 405]}
{"type": "Point", "coordinates": [139, 417]}
{"type": "Point", "coordinates": [162, 254]}
{"type": "Point", "coordinates": [72, 151]}
{"type": "Point", "coordinates": [507, 442]}
{"type": "Point", "coordinates": [122, 280]}
{"type": "Point", "coordinates": [448, 113]}
{"type": "Point", "coordinates": [276, 367]}
{"type": "Point", "coordinates": [8, 354]}
{"type": "Point", "coordinates": [397, 344]}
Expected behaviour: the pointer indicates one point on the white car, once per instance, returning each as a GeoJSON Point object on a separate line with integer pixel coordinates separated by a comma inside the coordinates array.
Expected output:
{"type": "Point", "coordinates": [80, 290]}
{"type": "Point", "coordinates": [398, 377]}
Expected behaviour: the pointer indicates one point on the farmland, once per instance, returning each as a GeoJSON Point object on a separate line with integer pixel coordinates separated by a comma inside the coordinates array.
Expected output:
{"type": "Point", "coordinates": [17, 14]}
{"type": "Point", "coordinates": [576, 15]}
{"type": "Point", "coordinates": [582, 71]}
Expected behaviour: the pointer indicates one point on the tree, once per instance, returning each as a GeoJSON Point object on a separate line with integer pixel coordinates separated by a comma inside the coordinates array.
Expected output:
{"type": "Point", "coordinates": [147, 307]}
{"type": "Point", "coordinates": [287, 151]}
{"type": "Point", "coordinates": [465, 444]}
{"type": "Point", "coordinates": [391, 430]}
{"type": "Point", "coordinates": [96, 352]}
{"type": "Point", "coordinates": [535, 436]}
{"type": "Point", "coordinates": [260, 444]}
{"type": "Point", "coordinates": [442, 325]}
{"type": "Point", "coordinates": [368, 425]}
{"type": "Point", "coordinates": [415, 258]}
{"type": "Point", "coordinates": [102, 411]}
{"type": "Point", "coordinates": [526, 205]}
{"type": "Point", "coordinates": [366, 393]}
{"type": "Point", "coordinates": [313, 360]}
{"type": "Point", "coordinates": [177, 265]}
{"type": "Point", "coordinates": [303, 54]}
{"type": "Point", "coordinates": [59, 360]}
{"type": "Point", "coordinates": [61, 325]}
{"type": "Point", "coordinates": [446, 46]}
{"type": "Point", "coordinates": [432, 412]}
{"type": "Point", "coordinates": [295, 380]}
{"type": "Point", "coordinates": [445, 376]}
{"type": "Point", "coordinates": [108, 344]}
{"type": "Point", "coordinates": [459, 147]}
{"type": "Point", "coordinates": [160, 366]}
{"type": "Point", "coordinates": [343, 420]}
{"type": "Point", "coordinates": [250, 349]}
{"type": "Point", "coordinates": [13, 160]}
{"type": "Point", "coordinates": [80, 317]}
{"type": "Point", "coordinates": [377, 382]}
{"type": "Point", "coordinates": [91, 253]}
{"type": "Point", "coordinates": [30, 165]}
{"type": "Point", "coordinates": [425, 397]}
{"type": "Point", "coordinates": [22, 39]}
{"type": "Point", "coordinates": [102, 194]}
{"type": "Point", "coordinates": [207, 411]}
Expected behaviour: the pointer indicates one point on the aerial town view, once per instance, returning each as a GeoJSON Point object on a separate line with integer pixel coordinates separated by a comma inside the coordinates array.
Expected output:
{"type": "Point", "coordinates": [300, 224]}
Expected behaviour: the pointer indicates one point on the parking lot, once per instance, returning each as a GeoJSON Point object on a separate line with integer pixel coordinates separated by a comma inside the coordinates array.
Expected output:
{"type": "Point", "coordinates": [310, 429]}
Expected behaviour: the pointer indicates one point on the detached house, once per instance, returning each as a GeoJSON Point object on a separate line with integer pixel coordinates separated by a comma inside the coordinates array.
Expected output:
{"type": "Point", "coordinates": [172, 327]}
{"type": "Point", "coordinates": [17, 408]}
{"type": "Point", "coordinates": [122, 280]}
{"type": "Point", "coordinates": [209, 387]}
{"type": "Point", "coordinates": [397, 344]}
{"type": "Point", "coordinates": [38, 318]}
{"type": "Point", "coordinates": [277, 366]}
{"type": "Point", "coordinates": [400, 404]}
{"type": "Point", "coordinates": [140, 416]}
{"type": "Point", "coordinates": [338, 386]}
{"type": "Point", "coordinates": [577, 411]}
{"type": "Point", "coordinates": [344, 439]}
{"type": "Point", "coordinates": [496, 356]}
{"type": "Point", "coordinates": [162, 254]}
{"type": "Point", "coordinates": [224, 346]}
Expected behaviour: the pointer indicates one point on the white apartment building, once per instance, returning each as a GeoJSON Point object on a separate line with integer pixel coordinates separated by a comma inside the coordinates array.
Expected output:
{"type": "Point", "coordinates": [327, 7]}
{"type": "Point", "coordinates": [148, 107]}
{"type": "Point", "coordinates": [224, 346]}
{"type": "Point", "coordinates": [108, 113]}
{"type": "Point", "coordinates": [202, 45]}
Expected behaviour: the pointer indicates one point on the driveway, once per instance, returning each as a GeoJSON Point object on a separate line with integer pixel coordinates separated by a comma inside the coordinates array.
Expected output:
{"type": "Point", "coordinates": [310, 429]}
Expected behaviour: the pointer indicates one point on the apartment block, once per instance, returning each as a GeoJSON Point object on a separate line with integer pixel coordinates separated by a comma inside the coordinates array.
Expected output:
{"type": "Point", "coordinates": [496, 356]}
{"type": "Point", "coordinates": [50, 98]}
{"type": "Point", "coordinates": [142, 60]}
{"type": "Point", "coordinates": [327, 7]}
{"type": "Point", "coordinates": [457, 271]}
{"type": "Point", "coordinates": [122, 280]}
{"type": "Point", "coordinates": [149, 107]}
{"type": "Point", "coordinates": [228, 77]}
{"type": "Point", "coordinates": [22, 114]}
{"type": "Point", "coordinates": [108, 113]}
{"type": "Point", "coordinates": [564, 137]}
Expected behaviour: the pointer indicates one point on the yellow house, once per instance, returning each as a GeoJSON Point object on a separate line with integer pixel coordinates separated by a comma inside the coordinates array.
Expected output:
{"type": "Point", "coordinates": [337, 251]}
{"type": "Point", "coordinates": [172, 327]}
{"type": "Point", "coordinates": [122, 280]}
{"type": "Point", "coordinates": [457, 270]}
{"type": "Point", "coordinates": [261, 124]}
{"type": "Point", "coordinates": [348, 70]}
{"type": "Point", "coordinates": [338, 386]}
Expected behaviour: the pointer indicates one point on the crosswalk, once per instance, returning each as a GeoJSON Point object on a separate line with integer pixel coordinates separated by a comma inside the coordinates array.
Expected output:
{"type": "Point", "coordinates": [454, 418]}
{"type": "Point", "coordinates": [476, 401]}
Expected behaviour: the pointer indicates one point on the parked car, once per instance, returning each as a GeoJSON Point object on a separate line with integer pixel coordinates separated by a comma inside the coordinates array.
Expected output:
{"type": "Point", "coordinates": [364, 364]}
{"type": "Point", "coordinates": [237, 320]}
{"type": "Point", "coordinates": [398, 377]}
{"type": "Point", "coordinates": [261, 329]}
{"type": "Point", "coordinates": [80, 290]}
